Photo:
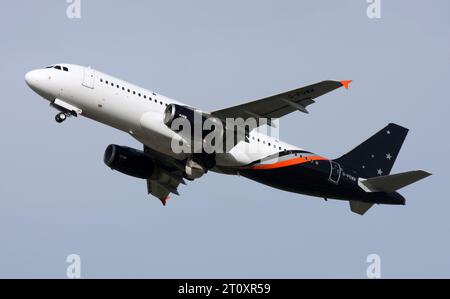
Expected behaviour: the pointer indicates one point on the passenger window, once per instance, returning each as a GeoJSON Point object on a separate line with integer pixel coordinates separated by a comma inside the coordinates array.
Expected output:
{"type": "Point", "coordinates": [101, 80]}
{"type": "Point", "coordinates": [112, 84]}
{"type": "Point", "coordinates": [58, 67]}
{"type": "Point", "coordinates": [65, 69]}
{"type": "Point", "coordinates": [117, 86]}
{"type": "Point", "coordinates": [145, 96]}
{"type": "Point", "coordinates": [106, 81]}
{"type": "Point", "coordinates": [139, 94]}
{"type": "Point", "coordinates": [123, 88]}
{"type": "Point", "coordinates": [128, 90]}
{"type": "Point", "coordinates": [134, 92]}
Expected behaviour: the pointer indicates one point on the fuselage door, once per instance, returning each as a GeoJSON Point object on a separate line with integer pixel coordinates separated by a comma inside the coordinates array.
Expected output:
{"type": "Point", "coordinates": [335, 173]}
{"type": "Point", "coordinates": [88, 77]}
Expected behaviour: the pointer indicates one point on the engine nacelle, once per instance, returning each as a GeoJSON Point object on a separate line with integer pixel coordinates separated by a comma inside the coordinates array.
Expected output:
{"type": "Point", "coordinates": [195, 119]}
{"type": "Point", "coordinates": [174, 111]}
{"type": "Point", "coordinates": [129, 161]}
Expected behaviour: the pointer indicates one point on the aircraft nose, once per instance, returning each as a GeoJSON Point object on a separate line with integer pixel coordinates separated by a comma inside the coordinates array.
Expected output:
{"type": "Point", "coordinates": [38, 81]}
{"type": "Point", "coordinates": [31, 78]}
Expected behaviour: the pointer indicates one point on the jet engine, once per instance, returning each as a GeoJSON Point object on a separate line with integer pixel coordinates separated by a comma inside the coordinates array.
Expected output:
{"type": "Point", "coordinates": [129, 161]}
{"type": "Point", "coordinates": [174, 111]}
{"type": "Point", "coordinates": [195, 119]}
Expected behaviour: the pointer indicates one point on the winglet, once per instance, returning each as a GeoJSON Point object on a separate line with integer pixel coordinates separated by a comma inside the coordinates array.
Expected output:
{"type": "Point", "coordinates": [346, 83]}
{"type": "Point", "coordinates": [164, 201]}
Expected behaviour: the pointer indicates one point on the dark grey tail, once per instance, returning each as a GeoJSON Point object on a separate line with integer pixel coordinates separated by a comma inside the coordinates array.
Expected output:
{"type": "Point", "coordinates": [376, 155]}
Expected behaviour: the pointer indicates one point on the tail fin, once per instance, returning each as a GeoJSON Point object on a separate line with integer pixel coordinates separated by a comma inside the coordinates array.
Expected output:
{"type": "Point", "coordinates": [391, 183]}
{"type": "Point", "coordinates": [376, 155]}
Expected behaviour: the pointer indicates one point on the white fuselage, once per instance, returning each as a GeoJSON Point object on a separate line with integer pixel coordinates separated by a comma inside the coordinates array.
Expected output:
{"type": "Point", "coordinates": [134, 110]}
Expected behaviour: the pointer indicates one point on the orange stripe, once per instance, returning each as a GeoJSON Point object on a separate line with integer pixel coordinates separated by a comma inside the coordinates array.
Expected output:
{"type": "Point", "coordinates": [290, 162]}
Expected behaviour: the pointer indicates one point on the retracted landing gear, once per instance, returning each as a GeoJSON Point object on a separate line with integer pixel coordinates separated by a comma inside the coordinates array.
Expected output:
{"type": "Point", "coordinates": [60, 117]}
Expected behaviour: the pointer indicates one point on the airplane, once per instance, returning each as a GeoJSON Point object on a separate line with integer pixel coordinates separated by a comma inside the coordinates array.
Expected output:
{"type": "Point", "coordinates": [361, 176]}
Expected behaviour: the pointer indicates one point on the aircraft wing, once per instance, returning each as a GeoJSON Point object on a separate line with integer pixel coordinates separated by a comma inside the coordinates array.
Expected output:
{"type": "Point", "coordinates": [168, 177]}
{"type": "Point", "coordinates": [279, 105]}
{"type": "Point", "coordinates": [162, 188]}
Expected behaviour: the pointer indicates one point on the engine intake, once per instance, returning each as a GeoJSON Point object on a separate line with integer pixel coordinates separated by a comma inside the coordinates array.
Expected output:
{"type": "Point", "coordinates": [129, 161]}
{"type": "Point", "coordinates": [174, 111]}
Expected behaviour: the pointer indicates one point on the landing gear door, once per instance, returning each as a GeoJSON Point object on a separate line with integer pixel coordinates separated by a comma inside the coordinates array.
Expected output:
{"type": "Point", "coordinates": [335, 172]}
{"type": "Point", "coordinates": [88, 77]}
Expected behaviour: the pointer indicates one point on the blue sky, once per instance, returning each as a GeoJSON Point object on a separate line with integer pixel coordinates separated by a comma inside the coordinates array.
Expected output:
{"type": "Point", "coordinates": [58, 198]}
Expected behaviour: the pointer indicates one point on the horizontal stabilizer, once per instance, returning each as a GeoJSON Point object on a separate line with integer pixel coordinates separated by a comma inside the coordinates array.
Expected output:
{"type": "Point", "coordinates": [391, 183]}
{"type": "Point", "coordinates": [360, 207]}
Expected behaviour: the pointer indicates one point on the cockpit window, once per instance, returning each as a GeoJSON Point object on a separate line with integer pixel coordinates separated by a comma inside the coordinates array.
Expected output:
{"type": "Point", "coordinates": [58, 67]}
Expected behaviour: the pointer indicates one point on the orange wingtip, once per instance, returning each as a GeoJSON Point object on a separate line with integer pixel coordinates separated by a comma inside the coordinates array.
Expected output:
{"type": "Point", "coordinates": [346, 83]}
{"type": "Point", "coordinates": [164, 201]}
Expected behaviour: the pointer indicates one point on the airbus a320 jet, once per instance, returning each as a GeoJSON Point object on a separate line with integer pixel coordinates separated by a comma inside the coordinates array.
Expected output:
{"type": "Point", "coordinates": [362, 176]}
